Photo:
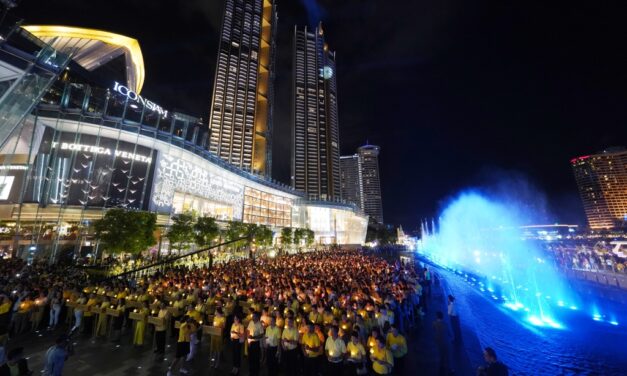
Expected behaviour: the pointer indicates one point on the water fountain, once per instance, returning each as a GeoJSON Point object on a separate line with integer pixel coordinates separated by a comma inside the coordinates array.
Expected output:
{"type": "Point", "coordinates": [481, 239]}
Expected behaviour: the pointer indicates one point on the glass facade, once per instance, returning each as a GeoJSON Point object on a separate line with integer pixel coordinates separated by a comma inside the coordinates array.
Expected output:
{"type": "Point", "coordinates": [335, 224]}
{"type": "Point", "coordinates": [267, 209]}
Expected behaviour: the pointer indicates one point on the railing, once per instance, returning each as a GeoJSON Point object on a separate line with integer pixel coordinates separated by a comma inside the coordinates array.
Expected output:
{"type": "Point", "coordinates": [160, 265]}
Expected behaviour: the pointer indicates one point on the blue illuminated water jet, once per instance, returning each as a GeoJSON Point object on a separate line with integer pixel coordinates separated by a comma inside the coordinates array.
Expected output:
{"type": "Point", "coordinates": [482, 238]}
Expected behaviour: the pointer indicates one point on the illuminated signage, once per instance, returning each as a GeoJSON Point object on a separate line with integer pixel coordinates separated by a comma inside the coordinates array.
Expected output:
{"type": "Point", "coordinates": [94, 149]}
{"type": "Point", "coordinates": [177, 175]}
{"type": "Point", "coordinates": [130, 94]}
{"type": "Point", "coordinates": [14, 167]}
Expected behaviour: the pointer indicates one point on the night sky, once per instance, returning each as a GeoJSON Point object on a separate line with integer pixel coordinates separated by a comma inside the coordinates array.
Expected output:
{"type": "Point", "coordinates": [456, 93]}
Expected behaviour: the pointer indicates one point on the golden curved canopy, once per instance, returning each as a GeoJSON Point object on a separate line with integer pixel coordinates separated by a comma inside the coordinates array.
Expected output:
{"type": "Point", "coordinates": [93, 48]}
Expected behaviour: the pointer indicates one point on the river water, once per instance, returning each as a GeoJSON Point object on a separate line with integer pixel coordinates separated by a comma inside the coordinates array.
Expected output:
{"type": "Point", "coordinates": [583, 347]}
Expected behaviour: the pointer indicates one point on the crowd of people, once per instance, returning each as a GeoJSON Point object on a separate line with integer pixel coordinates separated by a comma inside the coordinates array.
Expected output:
{"type": "Point", "coordinates": [329, 313]}
{"type": "Point", "coordinates": [593, 258]}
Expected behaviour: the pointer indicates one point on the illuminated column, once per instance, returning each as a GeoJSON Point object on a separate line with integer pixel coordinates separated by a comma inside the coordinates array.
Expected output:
{"type": "Point", "coordinates": [242, 105]}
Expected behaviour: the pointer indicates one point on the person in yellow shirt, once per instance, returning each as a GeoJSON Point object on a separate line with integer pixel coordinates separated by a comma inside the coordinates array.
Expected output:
{"type": "Point", "coordinates": [372, 340]}
{"type": "Point", "coordinates": [271, 342]}
{"type": "Point", "coordinates": [312, 349]}
{"type": "Point", "coordinates": [182, 345]}
{"type": "Point", "coordinates": [5, 307]}
{"type": "Point", "coordinates": [219, 321]}
{"type": "Point", "coordinates": [382, 358]}
{"type": "Point", "coordinates": [101, 324]}
{"type": "Point", "coordinates": [289, 343]}
{"type": "Point", "coordinates": [315, 316]}
{"type": "Point", "coordinates": [161, 329]}
{"type": "Point", "coordinates": [140, 326]}
{"type": "Point", "coordinates": [237, 339]}
{"type": "Point", "coordinates": [88, 315]}
{"type": "Point", "coordinates": [398, 345]}
{"type": "Point", "coordinates": [356, 352]}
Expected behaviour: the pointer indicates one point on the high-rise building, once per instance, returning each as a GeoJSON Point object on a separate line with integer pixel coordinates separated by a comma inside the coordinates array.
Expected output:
{"type": "Point", "coordinates": [316, 153]}
{"type": "Point", "coordinates": [360, 181]}
{"type": "Point", "coordinates": [351, 179]}
{"type": "Point", "coordinates": [371, 182]}
{"type": "Point", "coordinates": [241, 111]}
{"type": "Point", "coordinates": [602, 182]}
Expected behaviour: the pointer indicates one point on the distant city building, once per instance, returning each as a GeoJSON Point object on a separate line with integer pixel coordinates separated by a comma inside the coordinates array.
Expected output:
{"type": "Point", "coordinates": [316, 155]}
{"type": "Point", "coordinates": [602, 182]}
{"type": "Point", "coordinates": [350, 179]}
{"type": "Point", "coordinates": [369, 155]}
{"type": "Point", "coordinates": [241, 109]}
{"type": "Point", "coordinates": [361, 183]}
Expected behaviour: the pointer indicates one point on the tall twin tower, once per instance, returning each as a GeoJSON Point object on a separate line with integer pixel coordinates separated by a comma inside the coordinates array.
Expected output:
{"type": "Point", "coordinates": [243, 99]}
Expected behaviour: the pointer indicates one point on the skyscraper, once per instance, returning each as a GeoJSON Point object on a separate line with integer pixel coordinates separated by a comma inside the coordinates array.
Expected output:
{"type": "Point", "coordinates": [241, 111]}
{"type": "Point", "coordinates": [351, 179]}
{"type": "Point", "coordinates": [316, 153]}
{"type": "Point", "coordinates": [602, 182]}
{"type": "Point", "coordinates": [360, 181]}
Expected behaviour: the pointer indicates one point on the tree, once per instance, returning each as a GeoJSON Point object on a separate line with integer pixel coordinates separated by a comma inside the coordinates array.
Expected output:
{"type": "Point", "coordinates": [309, 237]}
{"type": "Point", "coordinates": [181, 230]}
{"type": "Point", "coordinates": [286, 236]}
{"type": "Point", "coordinates": [236, 230]}
{"type": "Point", "coordinates": [263, 236]}
{"type": "Point", "coordinates": [206, 230]}
{"type": "Point", "coordinates": [126, 231]}
{"type": "Point", "coordinates": [298, 236]}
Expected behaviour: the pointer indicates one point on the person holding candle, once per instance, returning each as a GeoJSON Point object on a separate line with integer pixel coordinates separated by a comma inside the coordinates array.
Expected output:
{"type": "Point", "coordinates": [140, 325]}
{"type": "Point", "coordinates": [118, 321]}
{"type": "Point", "coordinates": [219, 321]}
{"type": "Point", "coordinates": [254, 334]}
{"type": "Point", "coordinates": [237, 339]}
{"type": "Point", "coordinates": [312, 349]}
{"type": "Point", "coordinates": [289, 343]}
{"type": "Point", "coordinates": [356, 356]}
{"type": "Point", "coordinates": [398, 345]}
{"type": "Point", "coordinates": [101, 324]}
{"type": "Point", "coordinates": [335, 349]}
{"type": "Point", "coordinates": [271, 341]}
{"type": "Point", "coordinates": [382, 358]}
{"type": "Point", "coordinates": [161, 329]}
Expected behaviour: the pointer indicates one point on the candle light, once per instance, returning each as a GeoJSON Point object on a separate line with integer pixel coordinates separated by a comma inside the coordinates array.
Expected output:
{"type": "Point", "coordinates": [135, 310]}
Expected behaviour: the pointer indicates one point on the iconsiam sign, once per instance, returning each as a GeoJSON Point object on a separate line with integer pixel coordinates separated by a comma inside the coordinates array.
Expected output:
{"type": "Point", "coordinates": [480, 238]}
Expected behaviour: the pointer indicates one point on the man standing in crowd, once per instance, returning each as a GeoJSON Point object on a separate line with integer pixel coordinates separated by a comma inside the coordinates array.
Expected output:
{"type": "Point", "coordinates": [254, 334]}
{"type": "Point", "coordinates": [56, 357]}
{"type": "Point", "coordinates": [335, 349]}
{"type": "Point", "coordinates": [493, 366]}
{"type": "Point", "coordinates": [454, 317]}
{"type": "Point", "coordinates": [440, 335]}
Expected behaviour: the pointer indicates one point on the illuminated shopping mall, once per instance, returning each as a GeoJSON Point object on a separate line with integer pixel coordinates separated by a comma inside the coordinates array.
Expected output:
{"type": "Point", "coordinates": [79, 138]}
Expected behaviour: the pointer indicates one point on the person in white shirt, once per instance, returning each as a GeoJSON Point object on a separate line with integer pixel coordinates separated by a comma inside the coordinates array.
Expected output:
{"type": "Point", "coordinates": [454, 317]}
{"type": "Point", "coordinates": [254, 334]}
{"type": "Point", "coordinates": [335, 349]}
